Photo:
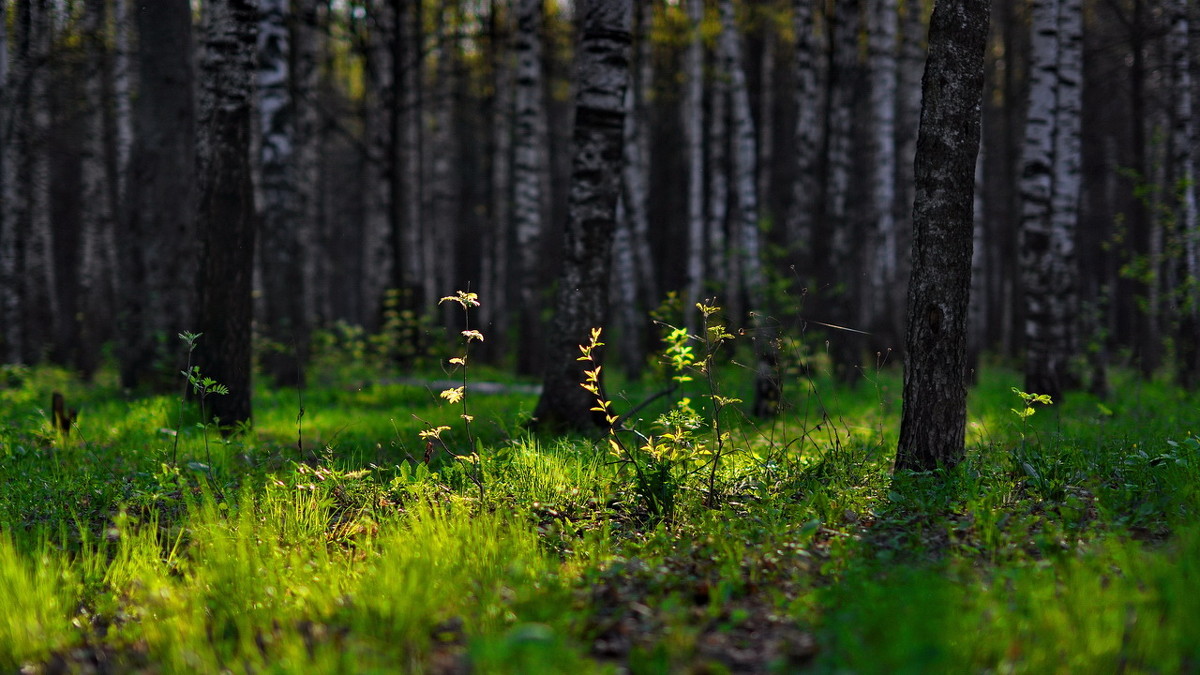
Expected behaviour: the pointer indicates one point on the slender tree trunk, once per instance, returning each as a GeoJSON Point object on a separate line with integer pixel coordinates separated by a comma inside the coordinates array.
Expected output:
{"type": "Point", "coordinates": [884, 256]}
{"type": "Point", "coordinates": [909, 65]}
{"type": "Point", "coordinates": [721, 263]}
{"type": "Point", "coordinates": [582, 299]}
{"type": "Point", "coordinates": [379, 262]}
{"type": "Point", "coordinates": [159, 274]}
{"type": "Point", "coordinates": [226, 208]}
{"type": "Point", "coordinates": [808, 137]}
{"type": "Point", "coordinates": [97, 292]}
{"type": "Point", "coordinates": [495, 309]}
{"type": "Point", "coordinates": [933, 423]}
{"type": "Point", "coordinates": [745, 144]}
{"type": "Point", "coordinates": [411, 235]}
{"type": "Point", "coordinates": [840, 283]}
{"type": "Point", "coordinates": [445, 157]}
{"type": "Point", "coordinates": [1183, 175]}
{"type": "Point", "coordinates": [531, 159]}
{"type": "Point", "coordinates": [692, 111]}
{"type": "Point", "coordinates": [633, 269]}
{"type": "Point", "coordinates": [10, 306]}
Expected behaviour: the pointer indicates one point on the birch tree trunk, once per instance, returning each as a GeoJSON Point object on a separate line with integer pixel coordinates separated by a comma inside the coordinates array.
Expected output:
{"type": "Point", "coordinates": [692, 112]}
{"type": "Point", "coordinates": [531, 161]}
{"type": "Point", "coordinates": [933, 421]}
{"type": "Point", "coordinates": [721, 264]}
{"type": "Point", "coordinates": [1050, 194]}
{"type": "Point", "coordinates": [745, 145]}
{"type": "Point", "coordinates": [582, 298]}
{"type": "Point", "coordinates": [226, 208]}
{"type": "Point", "coordinates": [1183, 175]}
{"type": "Point", "coordinates": [286, 227]}
{"type": "Point", "coordinates": [159, 274]}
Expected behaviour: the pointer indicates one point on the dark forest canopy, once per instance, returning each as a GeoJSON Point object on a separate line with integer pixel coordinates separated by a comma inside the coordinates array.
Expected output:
{"type": "Point", "coordinates": [403, 150]}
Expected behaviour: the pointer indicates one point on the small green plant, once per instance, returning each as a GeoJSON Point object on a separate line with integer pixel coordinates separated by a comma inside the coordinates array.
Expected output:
{"type": "Point", "coordinates": [458, 395]}
{"type": "Point", "coordinates": [1027, 410]}
{"type": "Point", "coordinates": [202, 387]}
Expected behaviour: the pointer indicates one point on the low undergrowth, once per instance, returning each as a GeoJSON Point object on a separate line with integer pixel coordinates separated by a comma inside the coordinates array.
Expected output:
{"type": "Point", "coordinates": [351, 539]}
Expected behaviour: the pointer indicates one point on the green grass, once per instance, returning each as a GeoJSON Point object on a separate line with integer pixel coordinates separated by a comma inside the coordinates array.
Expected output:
{"type": "Point", "coordinates": [1065, 543]}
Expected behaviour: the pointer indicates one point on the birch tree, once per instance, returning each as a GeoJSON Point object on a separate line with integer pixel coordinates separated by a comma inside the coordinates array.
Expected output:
{"type": "Point", "coordinates": [286, 227]}
{"type": "Point", "coordinates": [1050, 194]}
{"type": "Point", "coordinates": [692, 114]}
{"type": "Point", "coordinates": [745, 144]}
{"type": "Point", "coordinates": [933, 421]}
{"type": "Point", "coordinates": [531, 162]}
{"type": "Point", "coordinates": [581, 302]}
{"type": "Point", "coordinates": [1183, 178]}
{"type": "Point", "coordinates": [226, 206]}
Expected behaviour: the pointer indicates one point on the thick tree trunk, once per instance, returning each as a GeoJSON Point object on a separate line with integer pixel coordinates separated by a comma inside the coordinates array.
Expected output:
{"type": "Point", "coordinates": [531, 143]}
{"type": "Point", "coordinates": [159, 274]}
{"type": "Point", "coordinates": [582, 299]}
{"type": "Point", "coordinates": [933, 423]}
{"type": "Point", "coordinates": [226, 208]}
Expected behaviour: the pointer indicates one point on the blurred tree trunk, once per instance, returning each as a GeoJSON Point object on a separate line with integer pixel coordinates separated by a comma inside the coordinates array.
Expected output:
{"type": "Point", "coordinates": [722, 268]}
{"type": "Point", "coordinates": [840, 283]}
{"type": "Point", "coordinates": [933, 422]}
{"type": "Point", "coordinates": [806, 190]}
{"type": "Point", "coordinates": [159, 262]}
{"type": "Point", "coordinates": [633, 267]}
{"type": "Point", "coordinates": [122, 102]}
{"type": "Point", "coordinates": [226, 213]}
{"type": "Point", "coordinates": [1050, 195]}
{"type": "Point", "coordinates": [745, 146]}
{"type": "Point", "coordinates": [440, 257]}
{"type": "Point", "coordinates": [881, 313]}
{"type": "Point", "coordinates": [97, 259]}
{"type": "Point", "coordinates": [531, 160]}
{"type": "Point", "coordinates": [495, 309]}
{"type": "Point", "coordinates": [286, 227]}
{"type": "Point", "coordinates": [692, 111]}
{"type": "Point", "coordinates": [582, 297]}
{"type": "Point", "coordinates": [1183, 176]}
{"type": "Point", "coordinates": [380, 155]}
{"type": "Point", "coordinates": [910, 63]}
{"type": "Point", "coordinates": [26, 247]}
{"type": "Point", "coordinates": [412, 240]}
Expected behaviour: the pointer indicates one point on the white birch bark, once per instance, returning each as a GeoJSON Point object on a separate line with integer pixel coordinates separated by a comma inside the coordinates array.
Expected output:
{"type": "Point", "coordinates": [1050, 193]}
{"type": "Point", "coordinates": [1183, 175]}
{"type": "Point", "coordinates": [692, 113]}
{"type": "Point", "coordinates": [530, 191]}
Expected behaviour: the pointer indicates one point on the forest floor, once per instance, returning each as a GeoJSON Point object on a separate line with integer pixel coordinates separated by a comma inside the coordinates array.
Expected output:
{"type": "Point", "coordinates": [355, 529]}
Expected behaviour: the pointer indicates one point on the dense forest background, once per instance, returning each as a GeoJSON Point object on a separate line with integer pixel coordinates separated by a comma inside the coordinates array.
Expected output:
{"type": "Point", "coordinates": [395, 152]}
